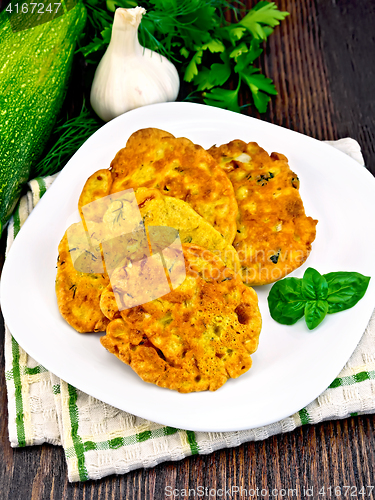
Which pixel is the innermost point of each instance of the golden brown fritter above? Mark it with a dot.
(156, 210)
(78, 293)
(159, 210)
(179, 169)
(121, 245)
(97, 186)
(145, 138)
(274, 235)
(194, 338)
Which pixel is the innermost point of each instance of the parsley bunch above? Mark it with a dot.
(210, 52)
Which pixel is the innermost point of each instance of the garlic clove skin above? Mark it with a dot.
(130, 76)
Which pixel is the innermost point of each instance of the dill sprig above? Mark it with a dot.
(214, 55)
(70, 134)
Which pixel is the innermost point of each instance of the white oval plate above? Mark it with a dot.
(292, 365)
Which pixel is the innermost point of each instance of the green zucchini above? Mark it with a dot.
(34, 69)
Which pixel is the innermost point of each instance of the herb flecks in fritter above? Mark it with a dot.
(274, 235)
(194, 338)
(153, 158)
(78, 293)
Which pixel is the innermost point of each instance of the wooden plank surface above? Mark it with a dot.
(322, 61)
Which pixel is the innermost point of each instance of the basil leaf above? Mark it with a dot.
(315, 312)
(314, 285)
(345, 290)
(285, 301)
(289, 289)
(315, 296)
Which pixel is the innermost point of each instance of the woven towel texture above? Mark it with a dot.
(100, 440)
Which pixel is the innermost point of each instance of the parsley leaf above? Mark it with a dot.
(214, 46)
(192, 68)
(258, 81)
(236, 33)
(223, 98)
(202, 79)
(261, 100)
(196, 36)
(220, 73)
(258, 85)
(263, 14)
(244, 59)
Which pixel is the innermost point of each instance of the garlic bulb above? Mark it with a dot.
(129, 75)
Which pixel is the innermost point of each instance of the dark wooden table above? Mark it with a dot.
(322, 61)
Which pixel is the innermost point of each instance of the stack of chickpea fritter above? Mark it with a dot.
(238, 220)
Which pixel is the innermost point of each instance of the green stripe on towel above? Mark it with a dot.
(34, 371)
(304, 416)
(16, 221)
(42, 186)
(352, 379)
(194, 448)
(77, 441)
(18, 394)
(56, 389)
(129, 440)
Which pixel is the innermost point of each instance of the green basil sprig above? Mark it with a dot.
(314, 296)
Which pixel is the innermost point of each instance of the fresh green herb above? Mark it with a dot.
(345, 290)
(314, 285)
(191, 33)
(314, 296)
(315, 312)
(275, 258)
(119, 217)
(210, 52)
(67, 137)
(74, 288)
(286, 302)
